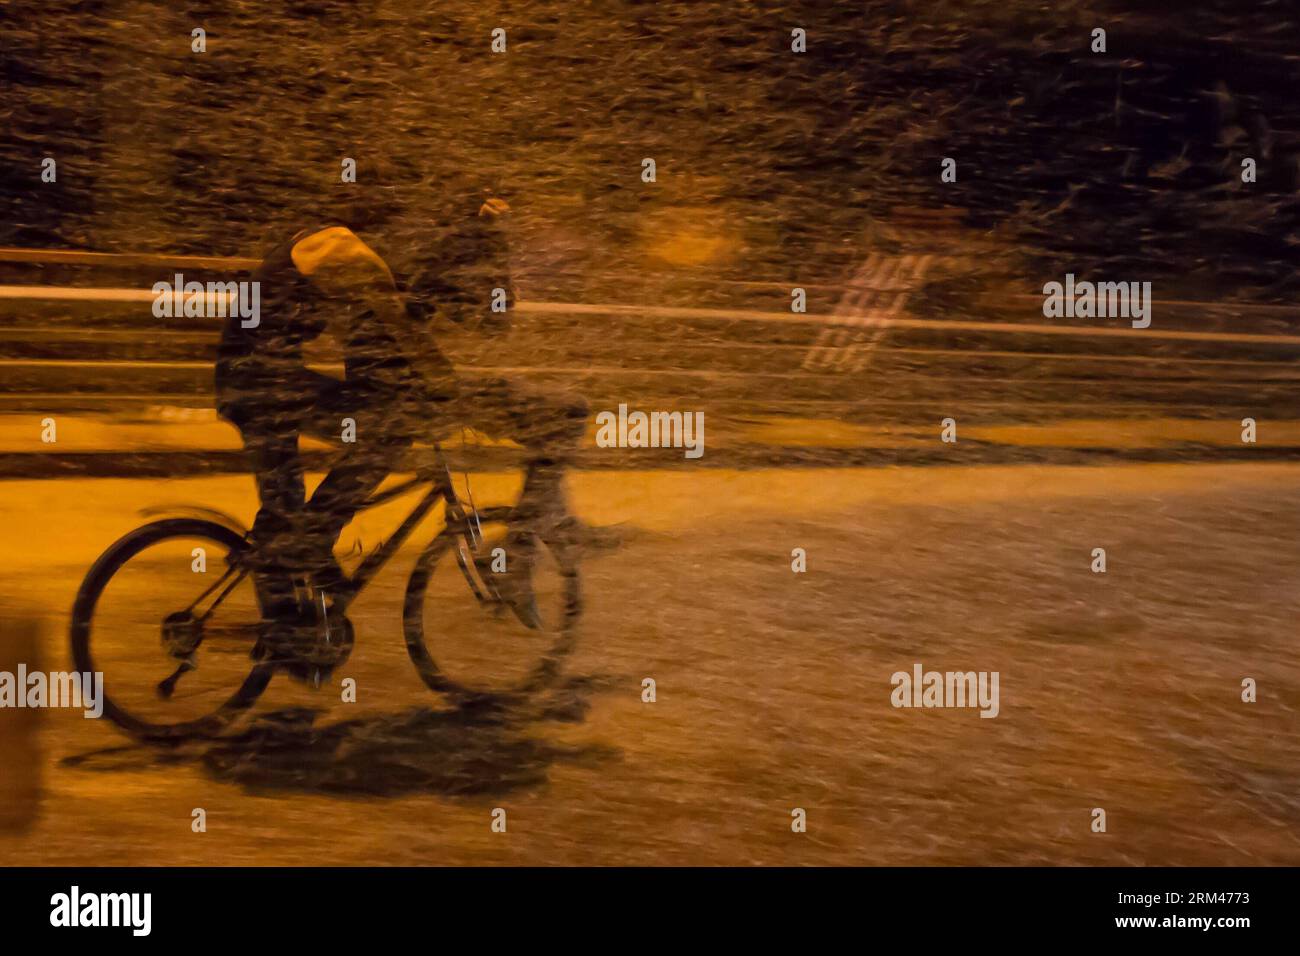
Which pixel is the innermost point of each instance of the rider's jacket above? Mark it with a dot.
(292, 311)
(256, 362)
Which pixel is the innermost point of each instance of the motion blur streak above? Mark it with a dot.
(885, 399)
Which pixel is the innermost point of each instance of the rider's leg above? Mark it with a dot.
(380, 434)
(270, 415)
(281, 492)
(550, 426)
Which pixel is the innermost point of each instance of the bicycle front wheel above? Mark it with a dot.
(468, 646)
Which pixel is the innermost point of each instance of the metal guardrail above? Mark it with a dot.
(77, 257)
(58, 352)
(109, 260)
(1210, 357)
(884, 320)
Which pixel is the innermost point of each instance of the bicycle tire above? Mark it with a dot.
(83, 610)
(542, 674)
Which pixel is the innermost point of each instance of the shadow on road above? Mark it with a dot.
(481, 749)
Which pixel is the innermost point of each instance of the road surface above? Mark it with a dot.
(1119, 691)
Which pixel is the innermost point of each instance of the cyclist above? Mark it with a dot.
(398, 386)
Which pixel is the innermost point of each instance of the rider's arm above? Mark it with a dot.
(342, 266)
(463, 288)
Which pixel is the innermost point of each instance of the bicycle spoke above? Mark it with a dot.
(212, 587)
(224, 594)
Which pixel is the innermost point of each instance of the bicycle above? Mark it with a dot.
(191, 627)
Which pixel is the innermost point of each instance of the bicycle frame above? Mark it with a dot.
(441, 488)
(184, 630)
(438, 477)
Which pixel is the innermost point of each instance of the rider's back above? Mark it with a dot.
(292, 311)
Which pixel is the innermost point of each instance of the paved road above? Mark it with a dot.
(1119, 691)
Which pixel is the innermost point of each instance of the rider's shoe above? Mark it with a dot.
(280, 587)
(514, 585)
(284, 637)
(300, 640)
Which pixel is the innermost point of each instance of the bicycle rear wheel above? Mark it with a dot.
(468, 646)
(146, 603)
